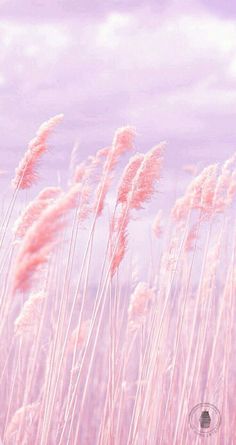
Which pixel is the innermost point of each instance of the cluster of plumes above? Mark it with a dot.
(143, 185)
(199, 194)
(87, 170)
(34, 210)
(122, 142)
(136, 187)
(41, 237)
(211, 192)
(27, 415)
(128, 177)
(26, 172)
(46, 216)
(140, 301)
(28, 320)
(90, 171)
(226, 186)
(79, 336)
(86, 173)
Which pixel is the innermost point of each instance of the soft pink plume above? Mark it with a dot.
(122, 142)
(26, 173)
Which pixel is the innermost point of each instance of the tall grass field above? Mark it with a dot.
(114, 329)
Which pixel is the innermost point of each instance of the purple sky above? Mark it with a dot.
(167, 67)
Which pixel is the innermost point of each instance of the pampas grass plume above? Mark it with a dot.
(26, 173)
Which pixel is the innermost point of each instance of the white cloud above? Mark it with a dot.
(31, 40)
(170, 73)
(176, 43)
(110, 31)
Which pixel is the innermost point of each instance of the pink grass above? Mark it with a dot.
(92, 351)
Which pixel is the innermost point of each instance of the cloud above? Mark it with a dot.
(173, 75)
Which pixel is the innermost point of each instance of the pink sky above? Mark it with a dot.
(170, 70)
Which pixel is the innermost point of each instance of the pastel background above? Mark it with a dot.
(107, 326)
(167, 67)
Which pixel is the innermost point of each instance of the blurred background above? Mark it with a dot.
(167, 67)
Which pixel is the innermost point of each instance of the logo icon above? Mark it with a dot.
(205, 419)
